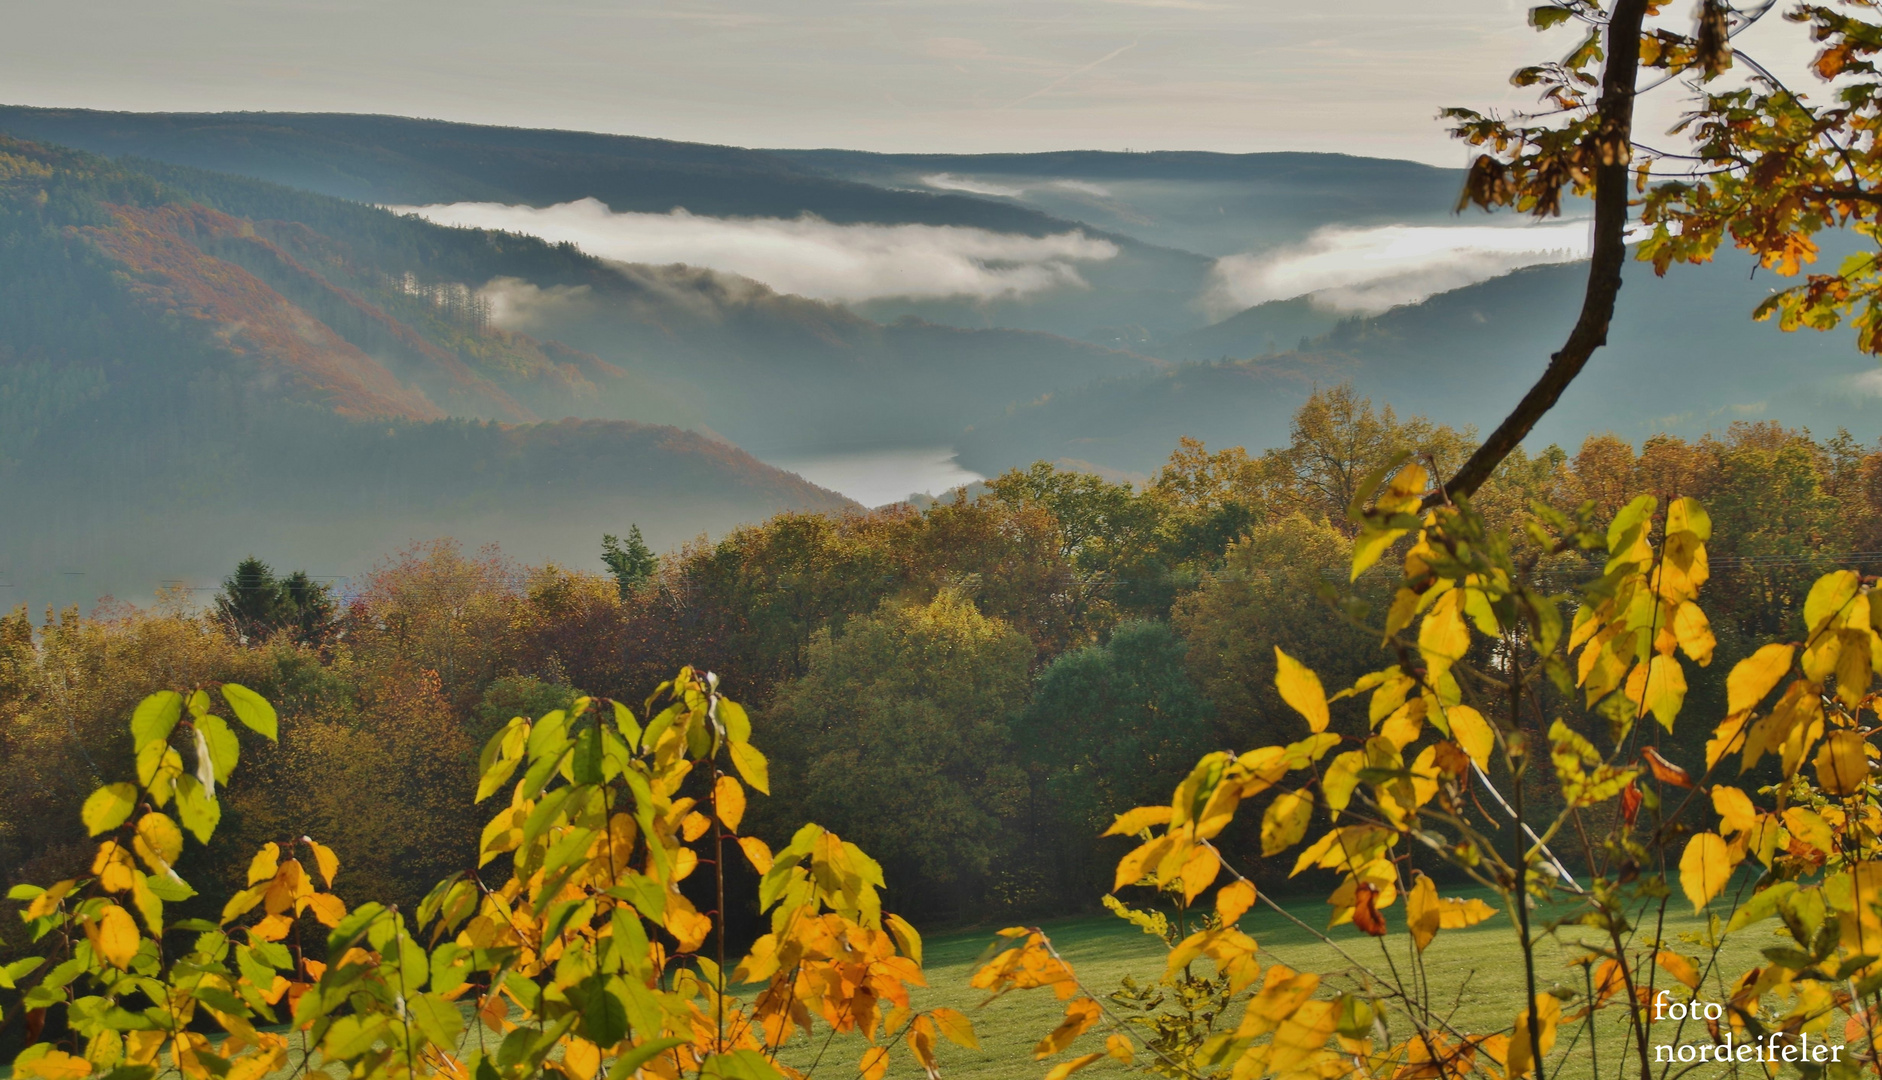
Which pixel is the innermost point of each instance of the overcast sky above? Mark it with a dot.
(1362, 76)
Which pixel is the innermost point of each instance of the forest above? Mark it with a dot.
(969, 691)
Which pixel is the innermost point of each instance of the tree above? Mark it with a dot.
(255, 605)
(250, 601)
(1768, 168)
(897, 734)
(632, 563)
(1269, 593)
(1109, 727)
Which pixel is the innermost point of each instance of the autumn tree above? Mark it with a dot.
(898, 734)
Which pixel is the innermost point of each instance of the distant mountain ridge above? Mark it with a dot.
(178, 385)
(1683, 357)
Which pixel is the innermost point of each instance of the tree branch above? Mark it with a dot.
(1613, 135)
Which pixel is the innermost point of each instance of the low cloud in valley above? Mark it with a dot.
(806, 255)
(1372, 269)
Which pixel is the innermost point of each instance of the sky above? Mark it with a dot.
(1360, 76)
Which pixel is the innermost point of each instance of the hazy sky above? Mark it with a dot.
(962, 75)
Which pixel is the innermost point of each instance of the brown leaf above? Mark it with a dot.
(1365, 910)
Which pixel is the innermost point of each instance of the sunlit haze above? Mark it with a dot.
(1359, 76)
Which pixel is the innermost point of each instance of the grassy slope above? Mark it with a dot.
(1478, 966)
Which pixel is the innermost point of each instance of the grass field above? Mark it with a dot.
(1478, 969)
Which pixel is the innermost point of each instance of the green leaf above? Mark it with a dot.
(352, 927)
(732, 717)
(108, 807)
(11, 974)
(603, 1017)
(1548, 15)
(199, 810)
(625, 722)
(738, 1065)
(438, 1019)
(169, 888)
(644, 893)
(626, 1065)
(586, 763)
(224, 749)
(253, 711)
(155, 718)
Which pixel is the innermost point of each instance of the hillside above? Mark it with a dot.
(1464, 357)
(1213, 204)
(180, 386)
(403, 161)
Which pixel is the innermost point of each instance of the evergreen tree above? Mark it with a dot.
(631, 563)
(250, 602)
(255, 605)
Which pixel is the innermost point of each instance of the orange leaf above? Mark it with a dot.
(1665, 771)
(1365, 910)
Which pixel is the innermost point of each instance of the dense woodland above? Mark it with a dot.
(969, 691)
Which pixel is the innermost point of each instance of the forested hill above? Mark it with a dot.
(1684, 357)
(180, 385)
(396, 160)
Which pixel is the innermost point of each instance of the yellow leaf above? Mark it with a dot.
(113, 866)
(1843, 763)
(1066, 1068)
(581, 1059)
(325, 861)
(1132, 822)
(694, 825)
(1736, 814)
(162, 837)
(1199, 871)
(1444, 636)
(1283, 990)
(1233, 900)
(1547, 1012)
(1455, 914)
(1120, 1048)
(108, 807)
(1285, 821)
(54, 1065)
(1665, 689)
(1753, 677)
(1809, 827)
(1828, 596)
(728, 801)
(328, 908)
(262, 867)
(1302, 1036)
(1686, 515)
(1301, 689)
(1704, 868)
(1852, 664)
(753, 767)
(906, 937)
(1421, 911)
(756, 853)
(1472, 732)
(1340, 778)
(1694, 632)
(116, 936)
(874, 1064)
(1677, 966)
(956, 1027)
(1080, 1015)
